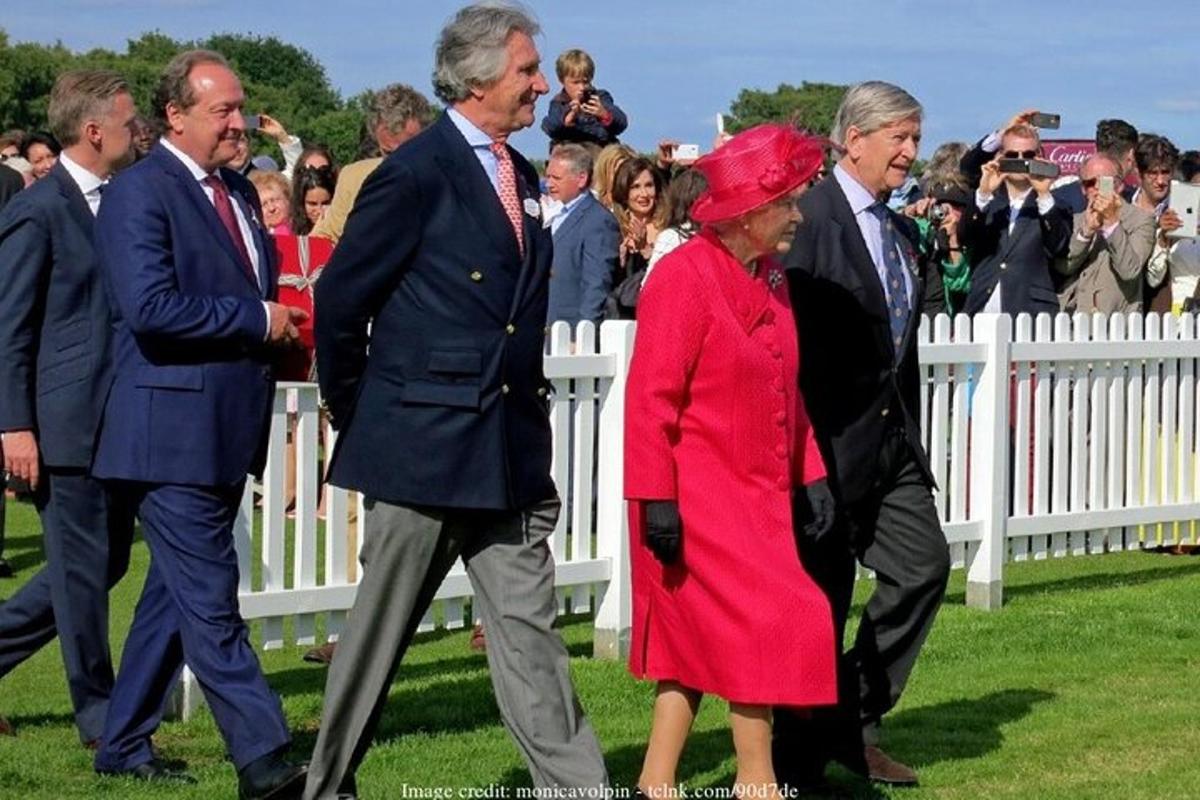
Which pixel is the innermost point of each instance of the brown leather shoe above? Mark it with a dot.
(322, 654)
(882, 768)
(478, 642)
(6, 728)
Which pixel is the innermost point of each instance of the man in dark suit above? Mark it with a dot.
(11, 182)
(55, 370)
(855, 286)
(1019, 231)
(586, 240)
(189, 271)
(429, 347)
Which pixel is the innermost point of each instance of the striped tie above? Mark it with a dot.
(897, 290)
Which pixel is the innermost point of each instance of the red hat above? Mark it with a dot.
(752, 169)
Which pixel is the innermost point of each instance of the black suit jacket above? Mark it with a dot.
(55, 326)
(1024, 258)
(449, 406)
(855, 388)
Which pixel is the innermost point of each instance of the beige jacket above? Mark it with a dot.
(1106, 271)
(349, 183)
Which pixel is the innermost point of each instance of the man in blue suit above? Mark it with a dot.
(55, 370)
(586, 240)
(443, 421)
(189, 271)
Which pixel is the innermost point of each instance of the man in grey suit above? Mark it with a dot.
(55, 371)
(586, 240)
(429, 349)
(1111, 244)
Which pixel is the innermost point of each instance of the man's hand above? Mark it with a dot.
(21, 459)
(1091, 221)
(284, 320)
(269, 126)
(1108, 207)
(992, 177)
(918, 209)
(1020, 118)
(1169, 221)
(1041, 185)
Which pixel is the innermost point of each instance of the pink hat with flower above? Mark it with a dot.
(753, 168)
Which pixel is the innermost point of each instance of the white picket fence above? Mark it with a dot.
(1063, 437)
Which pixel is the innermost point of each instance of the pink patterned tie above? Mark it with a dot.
(508, 192)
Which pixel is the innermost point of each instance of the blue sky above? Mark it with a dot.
(673, 64)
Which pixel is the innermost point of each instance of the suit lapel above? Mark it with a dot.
(204, 207)
(536, 238)
(576, 216)
(261, 242)
(76, 202)
(855, 248)
(476, 192)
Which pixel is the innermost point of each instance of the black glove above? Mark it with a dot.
(664, 531)
(818, 522)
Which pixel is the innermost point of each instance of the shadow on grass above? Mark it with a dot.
(1106, 580)
(39, 720)
(958, 729)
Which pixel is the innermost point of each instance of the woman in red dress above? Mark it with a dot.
(716, 442)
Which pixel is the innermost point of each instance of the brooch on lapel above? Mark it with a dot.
(532, 207)
(775, 278)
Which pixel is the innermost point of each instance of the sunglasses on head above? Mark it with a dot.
(1020, 153)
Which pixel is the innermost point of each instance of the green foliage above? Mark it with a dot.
(279, 79)
(809, 105)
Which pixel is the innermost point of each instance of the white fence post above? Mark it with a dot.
(989, 462)
(614, 612)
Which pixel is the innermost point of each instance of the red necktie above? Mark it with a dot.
(508, 192)
(224, 208)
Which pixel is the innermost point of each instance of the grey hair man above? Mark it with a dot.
(395, 114)
(1111, 244)
(429, 347)
(855, 286)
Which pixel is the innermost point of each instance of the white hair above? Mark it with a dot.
(472, 49)
(872, 105)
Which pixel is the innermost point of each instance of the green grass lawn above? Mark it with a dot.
(1084, 686)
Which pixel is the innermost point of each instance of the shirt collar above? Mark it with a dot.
(197, 171)
(569, 207)
(856, 194)
(474, 136)
(86, 180)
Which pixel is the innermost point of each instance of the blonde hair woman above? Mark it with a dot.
(605, 168)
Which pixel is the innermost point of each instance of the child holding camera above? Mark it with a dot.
(581, 113)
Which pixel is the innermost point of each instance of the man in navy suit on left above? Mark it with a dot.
(54, 373)
(189, 272)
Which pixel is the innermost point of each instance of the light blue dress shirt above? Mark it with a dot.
(861, 201)
(562, 215)
(481, 144)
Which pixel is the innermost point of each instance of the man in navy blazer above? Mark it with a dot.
(586, 240)
(429, 348)
(55, 331)
(189, 271)
(1018, 233)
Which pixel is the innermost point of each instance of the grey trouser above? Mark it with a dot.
(406, 553)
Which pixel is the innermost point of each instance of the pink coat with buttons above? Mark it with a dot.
(715, 421)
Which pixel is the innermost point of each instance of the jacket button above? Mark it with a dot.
(1003, 265)
(541, 392)
(476, 275)
(783, 484)
(769, 316)
(504, 388)
(781, 418)
(510, 329)
(884, 413)
(781, 451)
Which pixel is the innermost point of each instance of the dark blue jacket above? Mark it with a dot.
(54, 320)
(1024, 258)
(449, 405)
(192, 391)
(586, 128)
(586, 252)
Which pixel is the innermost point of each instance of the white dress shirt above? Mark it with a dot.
(243, 224)
(88, 182)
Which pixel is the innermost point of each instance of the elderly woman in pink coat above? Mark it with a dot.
(717, 441)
